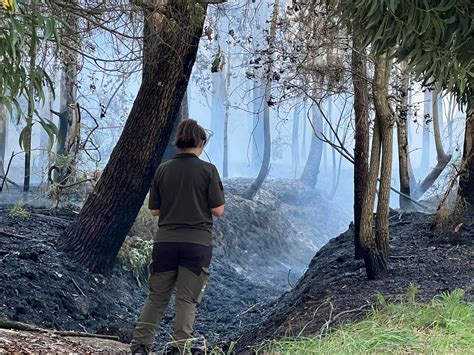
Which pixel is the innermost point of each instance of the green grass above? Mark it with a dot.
(446, 325)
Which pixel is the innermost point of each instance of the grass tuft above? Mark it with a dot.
(446, 325)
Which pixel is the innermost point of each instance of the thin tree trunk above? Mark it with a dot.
(295, 153)
(402, 140)
(3, 137)
(226, 120)
(265, 167)
(27, 131)
(427, 118)
(382, 110)
(465, 198)
(303, 126)
(442, 158)
(216, 143)
(361, 149)
(69, 125)
(95, 238)
(374, 258)
(312, 167)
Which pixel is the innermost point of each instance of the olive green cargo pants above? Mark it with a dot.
(189, 291)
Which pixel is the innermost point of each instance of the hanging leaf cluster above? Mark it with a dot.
(22, 31)
(435, 37)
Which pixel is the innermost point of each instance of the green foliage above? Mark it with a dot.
(18, 211)
(22, 32)
(444, 326)
(434, 37)
(135, 255)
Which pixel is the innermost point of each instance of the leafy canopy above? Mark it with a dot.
(435, 37)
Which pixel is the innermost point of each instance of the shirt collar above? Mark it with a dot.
(184, 155)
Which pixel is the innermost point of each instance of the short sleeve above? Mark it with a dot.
(216, 190)
(154, 201)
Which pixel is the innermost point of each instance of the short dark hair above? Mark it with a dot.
(189, 134)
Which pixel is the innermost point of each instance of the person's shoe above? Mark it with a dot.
(140, 351)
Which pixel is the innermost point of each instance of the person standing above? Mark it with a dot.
(185, 193)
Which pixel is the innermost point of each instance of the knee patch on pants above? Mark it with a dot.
(201, 285)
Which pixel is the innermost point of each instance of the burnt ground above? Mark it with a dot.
(335, 289)
(260, 250)
(262, 247)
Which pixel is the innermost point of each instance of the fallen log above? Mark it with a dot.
(10, 324)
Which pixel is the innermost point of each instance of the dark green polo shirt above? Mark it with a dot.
(184, 189)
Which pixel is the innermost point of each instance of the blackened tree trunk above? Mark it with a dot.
(95, 238)
(465, 199)
(361, 149)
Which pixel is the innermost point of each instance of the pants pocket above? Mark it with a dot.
(201, 287)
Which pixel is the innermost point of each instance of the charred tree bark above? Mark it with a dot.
(95, 238)
(402, 140)
(361, 149)
(373, 251)
(465, 198)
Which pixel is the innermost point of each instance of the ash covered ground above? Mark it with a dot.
(262, 247)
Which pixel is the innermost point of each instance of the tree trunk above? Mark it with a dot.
(382, 110)
(465, 199)
(442, 158)
(258, 118)
(336, 166)
(3, 137)
(375, 260)
(427, 118)
(183, 113)
(361, 149)
(402, 140)
(27, 130)
(265, 167)
(303, 128)
(295, 153)
(95, 238)
(226, 120)
(311, 169)
(216, 143)
(69, 116)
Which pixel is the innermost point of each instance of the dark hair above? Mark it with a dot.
(189, 134)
